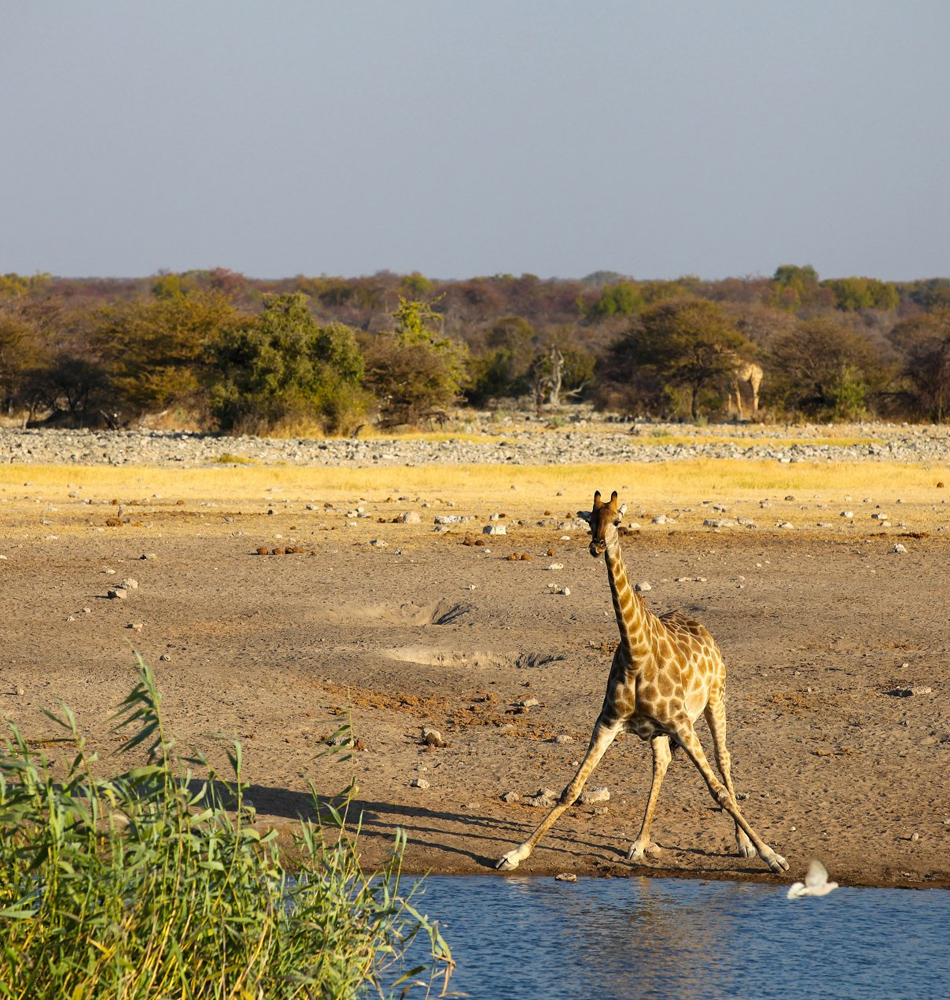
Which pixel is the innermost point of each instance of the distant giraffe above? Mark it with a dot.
(665, 674)
(750, 374)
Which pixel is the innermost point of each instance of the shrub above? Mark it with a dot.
(145, 885)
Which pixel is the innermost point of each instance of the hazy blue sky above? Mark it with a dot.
(479, 137)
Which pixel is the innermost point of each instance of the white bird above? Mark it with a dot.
(816, 882)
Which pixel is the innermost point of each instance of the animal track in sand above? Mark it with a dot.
(430, 656)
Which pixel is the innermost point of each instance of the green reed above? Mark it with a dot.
(156, 883)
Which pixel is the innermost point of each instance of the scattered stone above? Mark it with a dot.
(848, 514)
(411, 517)
(379, 543)
(642, 587)
(510, 797)
(135, 626)
(117, 594)
(900, 548)
(556, 566)
(419, 783)
(528, 703)
(718, 522)
(563, 738)
(165, 657)
(432, 737)
(544, 799)
(565, 877)
(494, 529)
(661, 519)
(129, 584)
(908, 692)
(148, 555)
(878, 517)
(594, 796)
(785, 524)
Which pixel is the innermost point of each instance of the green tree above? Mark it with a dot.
(621, 298)
(794, 286)
(924, 345)
(155, 351)
(825, 370)
(688, 344)
(502, 363)
(283, 369)
(855, 294)
(415, 369)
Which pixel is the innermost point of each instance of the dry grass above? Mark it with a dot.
(520, 491)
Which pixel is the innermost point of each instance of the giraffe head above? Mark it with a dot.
(604, 520)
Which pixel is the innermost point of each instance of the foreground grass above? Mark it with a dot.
(152, 884)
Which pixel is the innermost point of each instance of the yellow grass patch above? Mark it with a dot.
(518, 487)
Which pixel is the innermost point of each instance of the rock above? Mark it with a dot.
(411, 517)
(510, 797)
(594, 796)
(847, 513)
(563, 738)
(165, 657)
(117, 594)
(718, 522)
(556, 566)
(432, 737)
(379, 543)
(544, 799)
(528, 703)
(642, 587)
(494, 529)
(129, 584)
(148, 555)
(899, 548)
(565, 877)
(419, 783)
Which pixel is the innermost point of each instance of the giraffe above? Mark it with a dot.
(665, 673)
(748, 373)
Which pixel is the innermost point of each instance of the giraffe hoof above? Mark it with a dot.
(508, 863)
(638, 852)
(747, 851)
(777, 863)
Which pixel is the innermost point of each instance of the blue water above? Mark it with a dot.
(677, 939)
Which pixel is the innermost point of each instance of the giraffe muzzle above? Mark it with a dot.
(597, 547)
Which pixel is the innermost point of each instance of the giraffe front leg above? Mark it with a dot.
(661, 761)
(602, 737)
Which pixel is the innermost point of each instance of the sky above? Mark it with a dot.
(720, 138)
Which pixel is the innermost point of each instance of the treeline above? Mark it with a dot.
(220, 351)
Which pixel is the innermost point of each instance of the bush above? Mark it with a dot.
(283, 371)
(145, 885)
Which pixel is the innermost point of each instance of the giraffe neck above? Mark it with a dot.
(633, 619)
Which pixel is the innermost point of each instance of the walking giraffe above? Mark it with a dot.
(666, 673)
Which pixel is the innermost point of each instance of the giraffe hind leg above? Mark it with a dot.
(687, 736)
(600, 740)
(716, 720)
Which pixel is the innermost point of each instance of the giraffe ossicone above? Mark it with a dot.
(666, 672)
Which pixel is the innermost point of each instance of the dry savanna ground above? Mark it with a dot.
(836, 644)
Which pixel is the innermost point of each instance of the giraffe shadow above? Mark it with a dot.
(378, 822)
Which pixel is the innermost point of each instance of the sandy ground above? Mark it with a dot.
(837, 649)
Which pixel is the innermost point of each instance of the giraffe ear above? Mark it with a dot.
(623, 509)
(585, 515)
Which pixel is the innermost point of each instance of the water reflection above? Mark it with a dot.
(532, 938)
